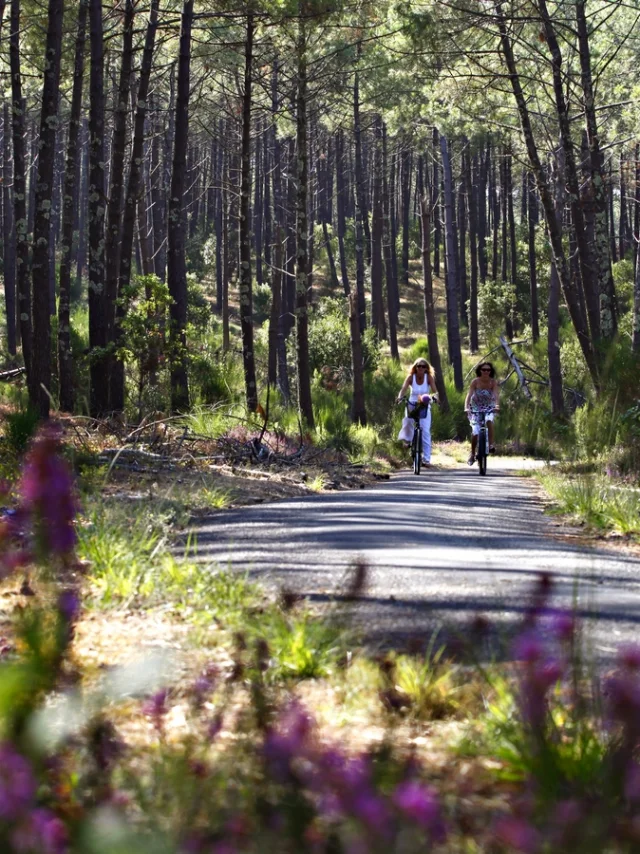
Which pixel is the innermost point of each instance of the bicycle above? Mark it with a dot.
(482, 449)
(416, 415)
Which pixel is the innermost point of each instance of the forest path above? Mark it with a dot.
(441, 548)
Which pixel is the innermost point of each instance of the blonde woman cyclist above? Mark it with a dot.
(421, 381)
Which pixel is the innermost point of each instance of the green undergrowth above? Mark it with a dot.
(593, 499)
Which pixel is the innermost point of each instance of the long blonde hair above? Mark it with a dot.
(422, 361)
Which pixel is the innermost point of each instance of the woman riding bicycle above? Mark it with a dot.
(422, 381)
(483, 396)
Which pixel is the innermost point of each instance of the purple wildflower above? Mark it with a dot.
(156, 708)
(518, 834)
(528, 647)
(50, 831)
(629, 657)
(46, 490)
(17, 783)
(419, 802)
(563, 625)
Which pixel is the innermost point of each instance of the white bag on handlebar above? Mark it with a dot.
(406, 431)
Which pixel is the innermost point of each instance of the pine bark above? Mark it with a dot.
(40, 383)
(429, 310)
(358, 406)
(377, 224)
(23, 277)
(176, 232)
(453, 314)
(601, 256)
(392, 283)
(532, 221)
(65, 362)
(471, 171)
(340, 210)
(8, 233)
(571, 296)
(302, 228)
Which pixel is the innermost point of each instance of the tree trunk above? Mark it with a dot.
(244, 227)
(429, 311)
(358, 406)
(482, 215)
(472, 205)
(8, 233)
(533, 278)
(340, 209)
(405, 196)
(302, 228)
(114, 207)
(453, 315)
(65, 362)
(132, 197)
(176, 262)
(258, 212)
(462, 249)
(435, 203)
(600, 256)
(99, 391)
(571, 296)
(377, 224)
(19, 191)
(361, 215)
(553, 309)
(392, 283)
(587, 273)
(39, 391)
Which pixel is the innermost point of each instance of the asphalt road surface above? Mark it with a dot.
(441, 548)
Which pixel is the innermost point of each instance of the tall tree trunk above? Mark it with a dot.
(553, 309)
(19, 191)
(134, 194)
(533, 278)
(258, 212)
(587, 273)
(176, 262)
(362, 209)
(8, 232)
(571, 296)
(361, 214)
(453, 315)
(244, 278)
(405, 196)
(392, 283)
(358, 406)
(82, 198)
(302, 228)
(429, 311)
(435, 203)
(39, 391)
(65, 362)
(377, 305)
(483, 268)
(113, 232)
(471, 172)
(600, 256)
(99, 389)
(462, 249)
(340, 209)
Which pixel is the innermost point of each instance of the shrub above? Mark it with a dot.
(330, 342)
(21, 426)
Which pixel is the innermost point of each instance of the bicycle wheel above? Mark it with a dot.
(482, 452)
(417, 450)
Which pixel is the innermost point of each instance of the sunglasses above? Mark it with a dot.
(485, 370)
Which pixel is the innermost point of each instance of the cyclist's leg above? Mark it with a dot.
(490, 426)
(425, 423)
(474, 442)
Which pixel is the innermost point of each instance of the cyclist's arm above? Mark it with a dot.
(432, 384)
(405, 386)
(467, 401)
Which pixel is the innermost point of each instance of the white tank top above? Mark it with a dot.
(418, 389)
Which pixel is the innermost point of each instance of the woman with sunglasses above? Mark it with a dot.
(483, 396)
(421, 381)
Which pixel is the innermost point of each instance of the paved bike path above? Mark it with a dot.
(441, 548)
